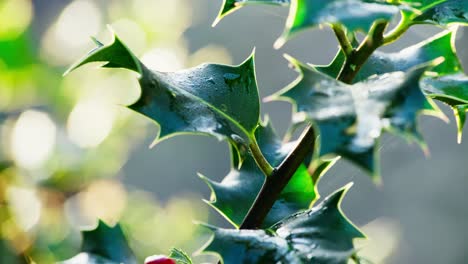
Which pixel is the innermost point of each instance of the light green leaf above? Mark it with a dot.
(350, 118)
(453, 90)
(104, 245)
(355, 15)
(230, 6)
(445, 13)
(211, 99)
(320, 235)
(180, 256)
(234, 196)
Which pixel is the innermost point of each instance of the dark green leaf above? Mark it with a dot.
(355, 15)
(212, 99)
(350, 118)
(180, 256)
(236, 193)
(444, 13)
(450, 84)
(230, 6)
(441, 45)
(106, 245)
(422, 4)
(320, 235)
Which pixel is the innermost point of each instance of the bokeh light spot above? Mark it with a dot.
(90, 122)
(33, 139)
(25, 205)
(15, 17)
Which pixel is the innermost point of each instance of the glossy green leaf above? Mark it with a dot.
(445, 13)
(103, 245)
(355, 15)
(211, 99)
(234, 196)
(453, 90)
(449, 86)
(350, 118)
(230, 6)
(441, 45)
(320, 235)
(180, 256)
(421, 4)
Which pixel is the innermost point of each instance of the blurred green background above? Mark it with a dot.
(71, 153)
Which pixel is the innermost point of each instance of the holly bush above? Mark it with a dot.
(340, 110)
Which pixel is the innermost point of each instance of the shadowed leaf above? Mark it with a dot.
(103, 245)
(236, 193)
(355, 15)
(350, 118)
(320, 235)
(445, 13)
(449, 85)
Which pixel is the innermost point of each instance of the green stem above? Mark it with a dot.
(356, 60)
(345, 44)
(398, 31)
(281, 175)
(275, 183)
(261, 161)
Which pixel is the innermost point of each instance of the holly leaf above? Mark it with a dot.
(449, 84)
(453, 90)
(320, 235)
(355, 15)
(180, 256)
(441, 45)
(229, 6)
(211, 99)
(422, 4)
(445, 13)
(103, 245)
(350, 118)
(235, 194)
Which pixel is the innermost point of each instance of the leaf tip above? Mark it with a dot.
(270, 98)
(97, 42)
(295, 63)
(216, 21)
(425, 149)
(279, 43)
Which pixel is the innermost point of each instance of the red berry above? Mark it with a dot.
(159, 259)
